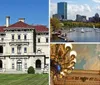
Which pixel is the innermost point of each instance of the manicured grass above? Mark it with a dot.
(24, 79)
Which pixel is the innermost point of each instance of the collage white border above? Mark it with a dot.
(62, 42)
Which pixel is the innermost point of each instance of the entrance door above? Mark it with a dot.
(19, 65)
(38, 64)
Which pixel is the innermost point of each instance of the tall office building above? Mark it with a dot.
(62, 10)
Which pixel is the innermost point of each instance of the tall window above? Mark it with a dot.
(1, 49)
(46, 40)
(12, 50)
(19, 49)
(19, 65)
(19, 37)
(25, 50)
(38, 40)
(13, 66)
(12, 37)
(2, 39)
(1, 64)
(25, 65)
(25, 37)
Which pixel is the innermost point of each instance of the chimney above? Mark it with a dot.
(22, 19)
(7, 21)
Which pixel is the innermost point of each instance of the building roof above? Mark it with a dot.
(21, 25)
(2, 28)
(41, 28)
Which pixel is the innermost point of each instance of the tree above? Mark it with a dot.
(55, 23)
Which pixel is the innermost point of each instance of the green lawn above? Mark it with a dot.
(24, 79)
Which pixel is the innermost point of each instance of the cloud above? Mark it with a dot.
(53, 8)
(98, 8)
(68, 1)
(97, 1)
(73, 10)
(92, 64)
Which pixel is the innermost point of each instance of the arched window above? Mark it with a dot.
(0, 63)
(19, 65)
(38, 64)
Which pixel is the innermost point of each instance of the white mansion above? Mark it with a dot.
(23, 45)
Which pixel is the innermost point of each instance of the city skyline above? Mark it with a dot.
(28, 9)
(87, 8)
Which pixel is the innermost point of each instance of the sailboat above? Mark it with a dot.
(70, 30)
(94, 27)
(82, 30)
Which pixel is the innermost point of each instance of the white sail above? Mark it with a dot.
(70, 30)
(82, 30)
(93, 26)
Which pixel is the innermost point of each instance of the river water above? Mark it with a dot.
(83, 34)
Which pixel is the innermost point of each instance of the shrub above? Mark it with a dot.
(31, 70)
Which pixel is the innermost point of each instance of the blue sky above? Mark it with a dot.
(82, 7)
(34, 11)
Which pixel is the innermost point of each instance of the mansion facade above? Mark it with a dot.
(23, 45)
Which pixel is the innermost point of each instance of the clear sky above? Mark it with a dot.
(34, 11)
(82, 7)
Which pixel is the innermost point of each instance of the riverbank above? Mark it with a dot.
(60, 36)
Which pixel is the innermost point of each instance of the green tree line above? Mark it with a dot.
(56, 24)
(70, 24)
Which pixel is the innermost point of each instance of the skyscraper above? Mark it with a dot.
(62, 10)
